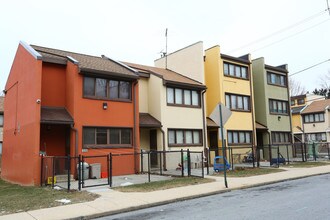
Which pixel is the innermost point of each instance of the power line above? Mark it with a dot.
(310, 67)
(278, 41)
(282, 30)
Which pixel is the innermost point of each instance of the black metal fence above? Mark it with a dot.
(87, 171)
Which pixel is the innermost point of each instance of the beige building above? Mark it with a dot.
(171, 112)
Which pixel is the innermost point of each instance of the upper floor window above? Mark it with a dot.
(322, 137)
(1, 120)
(281, 137)
(238, 102)
(276, 79)
(179, 137)
(301, 101)
(101, 137)
(293, 102)
(278, 106)
(107, 89)
(312, 118)
(239, 137)
(182, 97)
(235, 70)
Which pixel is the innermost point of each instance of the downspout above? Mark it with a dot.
(76, 139)
(204, 124)
(134, 119)
(253, 116)
(164, 149)
(270, 144)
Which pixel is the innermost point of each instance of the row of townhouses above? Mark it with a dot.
(61, 103)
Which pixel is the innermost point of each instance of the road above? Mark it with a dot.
(307, 198)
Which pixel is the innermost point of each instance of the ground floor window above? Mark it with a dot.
(281, 137)
(180, 137)
(319, 137)
(239, 137)
(106, 137)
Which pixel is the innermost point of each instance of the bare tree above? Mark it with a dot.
(296, 88)
(325, 81)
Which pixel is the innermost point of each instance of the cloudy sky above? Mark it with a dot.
(293, 32)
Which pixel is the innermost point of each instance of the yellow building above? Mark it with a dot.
(229, 81)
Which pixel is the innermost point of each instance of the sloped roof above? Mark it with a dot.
(55, 115)
(210, 123)
(87, 63)
(168, 75)
(148, 121)
(2, 99)
(316, 106)
(296, 110)
(260, 126)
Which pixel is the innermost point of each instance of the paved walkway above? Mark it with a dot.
(111, 201)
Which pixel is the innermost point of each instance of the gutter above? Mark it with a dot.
(164, 154)
(134, 127)
(204, 124)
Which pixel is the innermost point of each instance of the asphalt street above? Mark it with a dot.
(306, 198)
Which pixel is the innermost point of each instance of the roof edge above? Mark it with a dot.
(30, 49)
(120, 63)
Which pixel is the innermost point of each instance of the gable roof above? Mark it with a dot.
(2, 99)
(87, 63)
(317, 106)
(148, 121)
(170, 77)
(297, 110)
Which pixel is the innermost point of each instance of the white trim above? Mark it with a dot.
(73, 60)
(122, 64)
(32, 51)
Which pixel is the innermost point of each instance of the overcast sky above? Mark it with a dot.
(134, 30)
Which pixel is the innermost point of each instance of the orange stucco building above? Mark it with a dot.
(60, 103)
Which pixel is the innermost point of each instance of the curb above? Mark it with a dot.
(134, 208)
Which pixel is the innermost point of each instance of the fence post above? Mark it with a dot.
(53, 173)
(328, 151)
(253, 157)
(208, 160)
(305, 149)
(188, 163)
(314, 152)
(79, 172)
(203, 164)
(42, 170)
(231, 157)
(258, 157)
(83, 171)
(270, 154)
(182, 165)
(149, 166)
(278, 156)
(141, 161)
(110, 170)
(69, 171)
(287, 153)
(160, 163)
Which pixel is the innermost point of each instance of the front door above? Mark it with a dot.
(153, 147)
(214, 142)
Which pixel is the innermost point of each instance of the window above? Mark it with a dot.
(238, 102)
(281, 137)
(301, 101)
(182, 97)
(320, 137)
(235, 70)
(107, 89)
(239, 137)
(292, 102)
(100, 137)
(314, 118)
(1, 120)
(276, 79)
(278, 106)
(179, 137)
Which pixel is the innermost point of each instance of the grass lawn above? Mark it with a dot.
(15, 198)
(165, 184)
(246, 172)
(306, 164)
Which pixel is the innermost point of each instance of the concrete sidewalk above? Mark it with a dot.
(111, 202)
